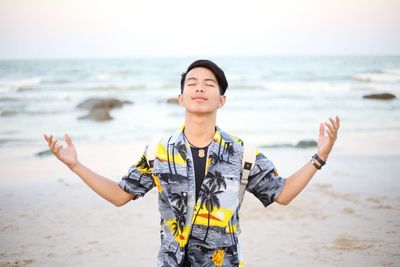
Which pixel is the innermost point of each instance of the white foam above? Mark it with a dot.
(103, 77)
(389, 75)
(8, 85)
(393, 71)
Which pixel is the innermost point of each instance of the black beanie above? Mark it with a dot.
(218, 72)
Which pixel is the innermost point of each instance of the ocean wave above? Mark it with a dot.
(308, 86)
(247, 86)
(9, 85)
(57, 80)
(8, 99)
(160, 85)
(12, 142)
(394, 71)
(388, 75)
(111, 87)
(102, 77)
(8, 140)
(8, 113)
(14, 112)
(124, 72)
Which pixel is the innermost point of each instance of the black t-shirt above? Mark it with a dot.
(199, 167)
(199, 173)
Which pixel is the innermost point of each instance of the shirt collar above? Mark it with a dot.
(178, 136)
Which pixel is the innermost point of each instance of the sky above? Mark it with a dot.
(185, 28)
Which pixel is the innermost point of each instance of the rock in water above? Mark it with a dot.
(172, 100)
(99, 108)
(306, 143)
(44, 153)
(97, 114)
(383, 96)
(104, 103)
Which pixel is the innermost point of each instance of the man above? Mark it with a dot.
(197, 172)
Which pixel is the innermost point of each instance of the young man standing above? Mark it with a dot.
(197, 172)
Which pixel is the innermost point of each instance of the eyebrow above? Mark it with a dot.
(207, 79)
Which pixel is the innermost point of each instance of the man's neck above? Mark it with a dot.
(200, 130)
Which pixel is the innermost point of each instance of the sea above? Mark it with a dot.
(272, 101)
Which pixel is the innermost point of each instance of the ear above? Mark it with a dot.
(180, 100)
(222, 100)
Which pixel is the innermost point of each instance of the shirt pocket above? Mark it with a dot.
(230, 195)
(220, 193)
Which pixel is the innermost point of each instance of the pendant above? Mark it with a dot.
(201, 153)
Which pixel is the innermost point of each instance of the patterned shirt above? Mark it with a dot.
(208, 228)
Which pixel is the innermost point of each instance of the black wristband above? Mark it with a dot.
(320, 161)
(315, 164)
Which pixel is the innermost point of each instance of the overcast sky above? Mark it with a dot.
(145, 28)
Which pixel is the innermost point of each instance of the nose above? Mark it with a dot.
(199, 89)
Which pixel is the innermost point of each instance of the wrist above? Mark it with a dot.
(322, 156)
(73, 167)
(317, 161)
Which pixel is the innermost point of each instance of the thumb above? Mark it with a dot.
(68, 140)
(321, 129)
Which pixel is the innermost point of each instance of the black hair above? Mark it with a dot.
(218, 72)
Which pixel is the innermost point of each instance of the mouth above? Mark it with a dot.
(199, 98)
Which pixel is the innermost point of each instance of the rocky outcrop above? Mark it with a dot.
(306, 144)
(300, 144)
(173, 100)
(97, 114)
(383, 96)
(99, 108)
(103, 103)
(43, 153)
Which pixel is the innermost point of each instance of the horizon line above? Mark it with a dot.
(197, 56)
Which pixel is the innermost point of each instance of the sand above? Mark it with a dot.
(348, 215)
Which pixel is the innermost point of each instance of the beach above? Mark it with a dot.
(347, 216)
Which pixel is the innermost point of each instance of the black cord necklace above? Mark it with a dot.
(201, 149)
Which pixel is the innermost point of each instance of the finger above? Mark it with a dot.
(68, 140)
(57, 148)
(333, 123)
(49, 139)
(321, 129)
(53, 144)
(330, 127)
(330, 134)
(337, 121)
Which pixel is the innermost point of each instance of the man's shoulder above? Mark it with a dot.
(231, 138)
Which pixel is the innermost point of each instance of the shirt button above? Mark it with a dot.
(184, 194)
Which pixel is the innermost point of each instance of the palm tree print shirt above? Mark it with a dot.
(208, 228)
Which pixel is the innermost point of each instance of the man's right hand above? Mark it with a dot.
(106, 188)
(67, 154)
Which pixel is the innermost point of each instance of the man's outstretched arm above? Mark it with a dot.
(295, 183)
(104, 187)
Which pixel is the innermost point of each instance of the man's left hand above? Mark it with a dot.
(327, 137)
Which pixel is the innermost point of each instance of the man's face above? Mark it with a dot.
(201, 92)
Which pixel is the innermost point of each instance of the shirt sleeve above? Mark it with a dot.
(139, 179)
(264, 181)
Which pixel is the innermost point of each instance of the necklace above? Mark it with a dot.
(201, 149)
